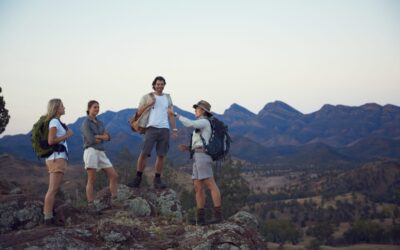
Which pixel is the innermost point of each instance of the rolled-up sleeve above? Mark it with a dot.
(87, 134)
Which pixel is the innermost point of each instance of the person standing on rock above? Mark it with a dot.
(57, 161)
(202, 174)
(153, 110)
(94, 136)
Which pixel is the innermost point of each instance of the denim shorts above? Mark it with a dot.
(158, 136)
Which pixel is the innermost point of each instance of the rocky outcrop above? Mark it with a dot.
(19, 212)
(142, 219)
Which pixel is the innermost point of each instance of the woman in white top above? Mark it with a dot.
(56, 162)
(202, 174)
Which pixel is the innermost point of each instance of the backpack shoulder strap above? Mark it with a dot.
(169, 100)
(211, 127)
(62, 124)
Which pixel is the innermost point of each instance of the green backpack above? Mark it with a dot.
(40, 133)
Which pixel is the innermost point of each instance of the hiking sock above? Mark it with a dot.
(139, 174)
(48, 216)
(157, 175)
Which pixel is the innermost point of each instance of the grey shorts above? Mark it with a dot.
(202, 166)
(158, 136)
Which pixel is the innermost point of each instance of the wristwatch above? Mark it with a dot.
(175, 114)
(175, 129)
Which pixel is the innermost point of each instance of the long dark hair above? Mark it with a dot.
(158, 78)
(90, 104)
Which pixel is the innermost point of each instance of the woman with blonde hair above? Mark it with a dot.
(57, 161)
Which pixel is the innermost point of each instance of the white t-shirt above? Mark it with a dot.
(55, 123)
(159, 113)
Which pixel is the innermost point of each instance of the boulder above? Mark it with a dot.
(149, 219)
(19, 212)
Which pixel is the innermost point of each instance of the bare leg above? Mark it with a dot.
(215, 193)
(55, 180)
(89, 185)
(113, 179)
(141, 163)
(159, 164)
(200, 195)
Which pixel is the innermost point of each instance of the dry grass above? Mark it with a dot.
(261, 184)
(341, 229)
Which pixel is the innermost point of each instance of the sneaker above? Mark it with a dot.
(158, 183)
(135, 183)
(217, 216)
(115, 203)
(91, 209)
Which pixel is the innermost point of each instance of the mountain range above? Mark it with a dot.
(278, 136)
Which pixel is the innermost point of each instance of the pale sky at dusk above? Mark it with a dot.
(304, 53)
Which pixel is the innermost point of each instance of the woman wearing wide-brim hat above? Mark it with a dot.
(202, 174)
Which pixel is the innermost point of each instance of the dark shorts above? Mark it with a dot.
(158, 136)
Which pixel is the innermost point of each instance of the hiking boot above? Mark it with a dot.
(201, 217)
(52, 223)
(135, 183)
(158, 183)
(217, 216)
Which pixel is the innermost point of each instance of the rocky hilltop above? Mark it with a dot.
(144, 219)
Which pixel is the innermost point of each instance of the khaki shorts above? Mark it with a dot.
(57, 165)
(96, 159)
(202, 166)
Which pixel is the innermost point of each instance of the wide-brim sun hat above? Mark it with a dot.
(204, 105)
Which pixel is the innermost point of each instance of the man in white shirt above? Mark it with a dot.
(157, 122)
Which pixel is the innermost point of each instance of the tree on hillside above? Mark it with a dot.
(234, 188)
(4, 116)
(321, 231)
(364, 231)
(280, 231)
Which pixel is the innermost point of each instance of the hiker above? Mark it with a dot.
(202, 173)
(57, 161)
(94, 136)
(153, 112)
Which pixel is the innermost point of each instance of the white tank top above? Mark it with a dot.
(159, 113)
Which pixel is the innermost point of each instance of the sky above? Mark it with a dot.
(306, 53)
